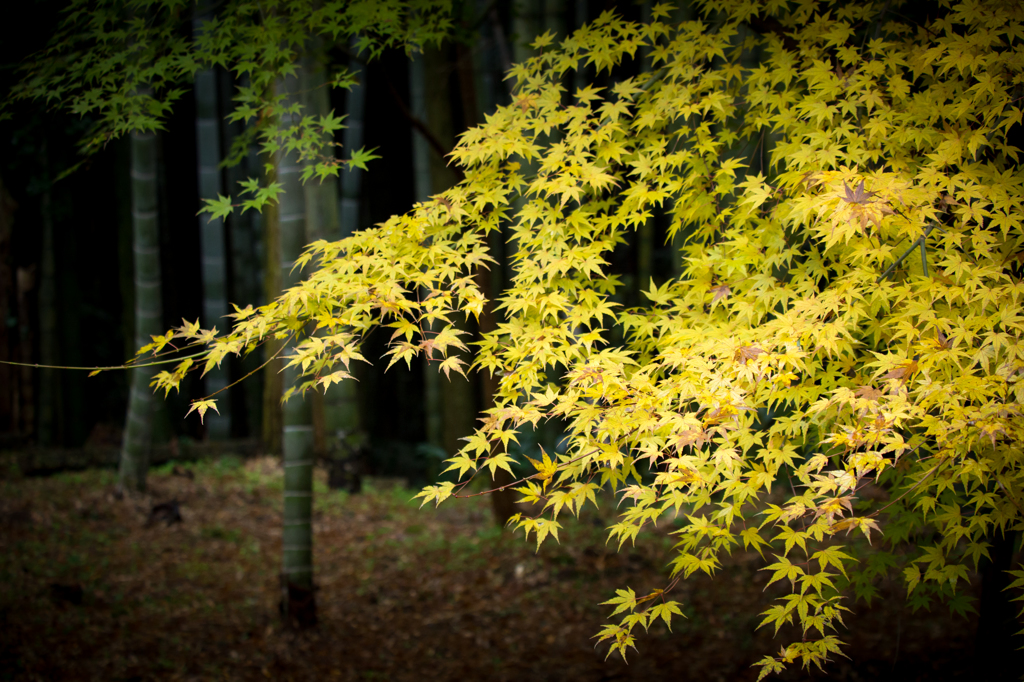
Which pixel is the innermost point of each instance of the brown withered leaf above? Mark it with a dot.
(858, 196)
(1014, 258)
(809, 179)
(694, 437)
(903, 372)
(524, 102)
(868, 393)
(713, 415)
(844, 76)
(721, 291)
(634, 491)
(876, 216)
(429, 346)
(746, 353)
(946, 201)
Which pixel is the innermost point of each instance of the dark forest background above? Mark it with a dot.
(68, 300)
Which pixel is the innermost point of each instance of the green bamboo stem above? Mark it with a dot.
(919, 242)
(342, 401)
(297, 436)
(245, 238)
(527, 19)
(50, 430)
(212, 246)
(146, 281)
(273, 383)
(433, 419)
(8, 344)
(645, 233)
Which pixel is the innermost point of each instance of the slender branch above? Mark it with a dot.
(422, 128)
(104, 369)
(502, 45)
(913, 487)
(528, 478)
(523, 480)
(770, 25)
(1013, 500)
(268, 361)
(917, 242)
(484, 16)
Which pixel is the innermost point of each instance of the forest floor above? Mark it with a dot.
(89, 591)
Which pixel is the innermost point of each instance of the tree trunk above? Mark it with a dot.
(645, 232)
(146, 267)
(996, 648)
(297, 438)
(456, 393)
(580, 18)
(50, 403)
(343, 419)
(352, 179)
(273, 383)
(244, 236)
(473, 101)
(526, 23)
(321, 209)
(337, 422)
(8, 345)
(432, 413)
(212, 251)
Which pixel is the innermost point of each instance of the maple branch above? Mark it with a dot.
(771, 25)
(269, 360)
(104, 369)
(484, 16)
(917, 242)
(1013, 500)
(528, 478)
(913, 487)
(523, 480)
(422, 128)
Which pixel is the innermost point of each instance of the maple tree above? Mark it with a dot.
(125, 63)
(847, 321)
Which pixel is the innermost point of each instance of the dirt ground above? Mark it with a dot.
(90, 591)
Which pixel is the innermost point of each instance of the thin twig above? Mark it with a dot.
(919, 241)
(913, 487)
(104, 369)
(523, 480)
(269, 360)
(422, 128)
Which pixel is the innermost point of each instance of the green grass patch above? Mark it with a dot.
(220, 533)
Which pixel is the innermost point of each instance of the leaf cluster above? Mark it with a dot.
(835, 381)
(124, 63)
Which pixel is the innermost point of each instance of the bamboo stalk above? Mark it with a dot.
(146, 267)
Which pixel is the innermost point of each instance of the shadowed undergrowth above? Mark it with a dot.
(92, 587)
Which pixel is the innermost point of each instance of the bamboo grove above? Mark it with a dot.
(835, 378)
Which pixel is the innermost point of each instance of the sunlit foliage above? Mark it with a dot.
(848, 320)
